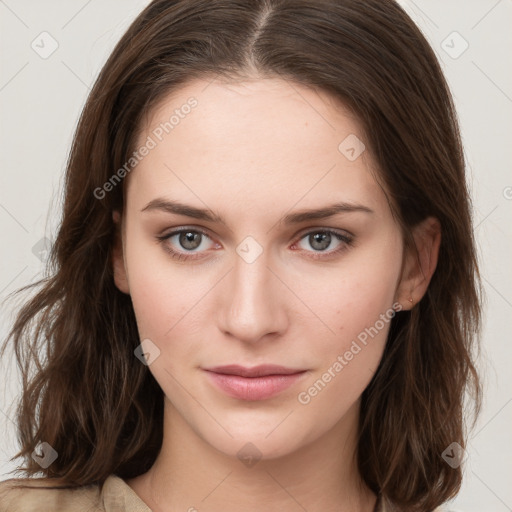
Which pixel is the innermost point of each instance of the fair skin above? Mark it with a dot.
(254, 152)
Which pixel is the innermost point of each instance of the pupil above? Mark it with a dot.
(323, 239)
(189, 240)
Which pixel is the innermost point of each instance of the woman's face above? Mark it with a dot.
(292, 258)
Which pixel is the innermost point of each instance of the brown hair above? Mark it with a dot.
(93, 401)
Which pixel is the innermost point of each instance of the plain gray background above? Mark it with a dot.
(41, 96)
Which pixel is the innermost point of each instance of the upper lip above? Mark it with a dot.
(254, 371)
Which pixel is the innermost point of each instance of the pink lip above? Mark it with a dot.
(257, 383)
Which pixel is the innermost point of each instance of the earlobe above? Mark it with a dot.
(420, 262)
(118, 263)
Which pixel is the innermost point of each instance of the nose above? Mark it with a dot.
(253, 303)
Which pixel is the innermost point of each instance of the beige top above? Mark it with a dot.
(115, 496)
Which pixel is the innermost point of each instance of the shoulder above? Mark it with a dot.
(31, 495)
(39, 495)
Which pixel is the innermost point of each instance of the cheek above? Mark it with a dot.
(348, 361)
(162, 292)
(353, 296)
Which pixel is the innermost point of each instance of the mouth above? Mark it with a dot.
(256, 383)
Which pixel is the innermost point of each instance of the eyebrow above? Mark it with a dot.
(172, 206)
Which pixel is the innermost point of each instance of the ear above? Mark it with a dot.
(118, 262)
(419, 263)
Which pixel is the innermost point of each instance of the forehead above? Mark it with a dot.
(262, 141)
(248, 106)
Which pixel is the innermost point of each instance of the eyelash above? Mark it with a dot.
(347, 240)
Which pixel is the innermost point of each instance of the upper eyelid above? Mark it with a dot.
(338, 231)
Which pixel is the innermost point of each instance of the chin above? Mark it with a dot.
(250, 447)
(257, 438)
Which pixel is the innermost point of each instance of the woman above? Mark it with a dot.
(265, 288)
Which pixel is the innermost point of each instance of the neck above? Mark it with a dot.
(189, 474)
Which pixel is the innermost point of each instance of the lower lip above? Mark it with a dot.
(253, 388)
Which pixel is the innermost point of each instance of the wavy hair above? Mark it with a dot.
(86, 394)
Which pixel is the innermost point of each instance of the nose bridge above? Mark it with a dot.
(251, 280)
(253, 305)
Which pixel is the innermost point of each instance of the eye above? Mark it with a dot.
(321, 239)
(184, 243)
(191, 243)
